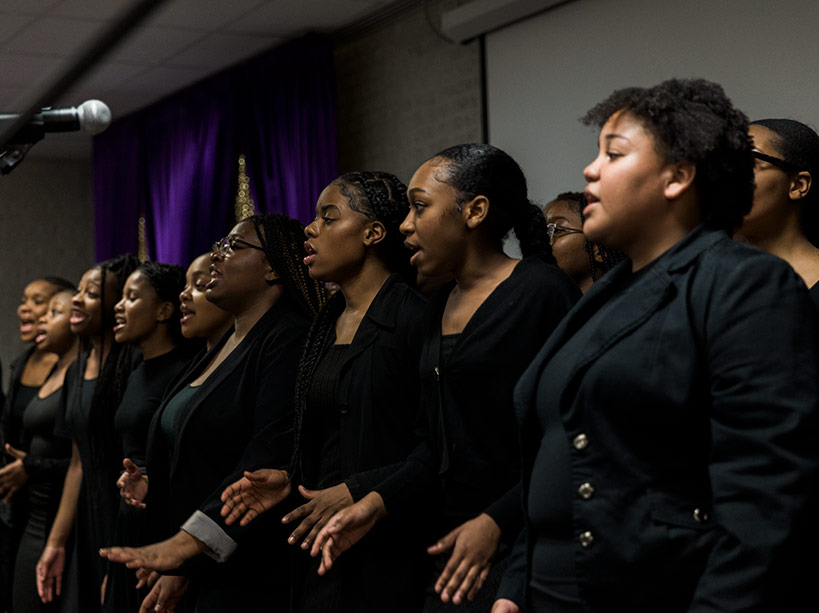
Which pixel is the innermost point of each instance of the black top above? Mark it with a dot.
(11, 425)
(689, 414)
(814, 293)
(473, 446)
(322, 419)
(174, 413)
(143, 393)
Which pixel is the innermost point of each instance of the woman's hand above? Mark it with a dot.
(473, 545)
(322, 505)
(253, 494)
(502, 605)
(132, 484)
(346, 528)
(14, 475)
(165, 555)
(165, 595)
(49, 572)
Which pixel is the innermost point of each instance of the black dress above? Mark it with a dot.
(143, 395)
(46, 463)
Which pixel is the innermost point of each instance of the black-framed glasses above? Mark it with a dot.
(556, 231)
(778, 162)
(226, 246)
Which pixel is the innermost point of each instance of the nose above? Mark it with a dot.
(407, 226)
(43, 318)
(75, 299)
(119, 306)
(310, 229)
(592, 171)
(185, 294)
(216, 256)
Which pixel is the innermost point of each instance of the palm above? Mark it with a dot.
(254, 494)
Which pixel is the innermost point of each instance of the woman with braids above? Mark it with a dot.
(241, 385)
(148, 317)
(576, 255)
(43, 455)
(201, 318)
(784, 218)
(26, 375)
(94, 386)
(672, 416)
(480, 333)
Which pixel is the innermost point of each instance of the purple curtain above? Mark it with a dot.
(176, 162)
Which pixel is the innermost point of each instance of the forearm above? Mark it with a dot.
(63, 522)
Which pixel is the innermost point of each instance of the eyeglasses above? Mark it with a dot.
(778, 162)
(556, 231)
(226, 246)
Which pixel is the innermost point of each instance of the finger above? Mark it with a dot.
(15, 453)
(302, 511)
(130, 467)
(327, 556)
(314, 532)
(309, 494)
(455, 579)
(466, 584)
(143, 574)
(451, 566)
(233, 509)
(58, 584)
(443, 544)
(479, 583)
(257, 476)
(302, 528)
(149, 602)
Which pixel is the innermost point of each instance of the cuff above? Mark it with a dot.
(203, 528)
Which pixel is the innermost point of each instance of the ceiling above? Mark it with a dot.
(182, 42)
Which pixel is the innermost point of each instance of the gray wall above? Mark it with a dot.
(404, 93)
(46, 228)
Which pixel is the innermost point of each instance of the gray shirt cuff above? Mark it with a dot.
(203, 528)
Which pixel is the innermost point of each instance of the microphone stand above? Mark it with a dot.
(11, 152)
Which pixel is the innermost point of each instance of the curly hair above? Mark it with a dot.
(609, 256)
(798, 145)
(479, 169)
(381, 196)
(692, 120)
(167, 280)
(282, 240)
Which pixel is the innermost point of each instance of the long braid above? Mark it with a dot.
(282, 240)
(609, 257)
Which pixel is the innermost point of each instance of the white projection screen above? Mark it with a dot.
(543, 73)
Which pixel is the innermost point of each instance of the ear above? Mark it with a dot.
(374, 233)
(164, 311)
(475, 211)
(680, 179)
(271, 276)
(800, 185)
(596, 251)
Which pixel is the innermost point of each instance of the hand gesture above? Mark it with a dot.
(49, 572)
(473, 545)
(254, 494)
(346, 528)
(165, 595)
(165, 555)
(503, 605)
(13, 476)
(132, 484)
(320, 508)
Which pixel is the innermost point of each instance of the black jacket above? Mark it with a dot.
(692, 426)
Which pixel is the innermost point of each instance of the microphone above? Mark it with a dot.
(92, 116)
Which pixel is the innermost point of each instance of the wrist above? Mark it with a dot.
(375, 503)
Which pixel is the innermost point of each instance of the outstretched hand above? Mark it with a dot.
(165, 595)
(320, 508)
(14, 475)
(132, 484)
(165, 555)
(473, 546)
(253, 494)
(346, 528)
(503, 605)
(49, 572)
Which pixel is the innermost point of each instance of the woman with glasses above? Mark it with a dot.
(241, 385)
(577, 256)
(784, 218)
(480, 333)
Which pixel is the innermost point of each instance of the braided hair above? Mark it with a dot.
(112, 378)
(379, 196)
(167, 280)
(60, 284)
(610, 257)
(798, 145)
(282, 239)
(483, 170)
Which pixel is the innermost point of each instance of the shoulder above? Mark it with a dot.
(397, 293)
(540, 281)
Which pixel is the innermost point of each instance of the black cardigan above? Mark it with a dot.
(473, 447)
(691, 419)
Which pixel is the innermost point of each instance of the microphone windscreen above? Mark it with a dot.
(94, 115)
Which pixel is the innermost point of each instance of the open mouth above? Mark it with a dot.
(414, 250)
(119, 323)
(311, 253)
(41, 336)
(215, 275)
(26, 326)
(77, 317)
(187, 314)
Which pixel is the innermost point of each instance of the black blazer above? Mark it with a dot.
(252, 388)
(473, 447)
(691, 415)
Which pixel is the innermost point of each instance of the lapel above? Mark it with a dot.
(381, 314)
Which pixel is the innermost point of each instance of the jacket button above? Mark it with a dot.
(586, 491)
(344, 408)
(586, 539)
(437, 372)
(581, 441)
(700, 515)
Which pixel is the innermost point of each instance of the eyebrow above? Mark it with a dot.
(327, 207)
(417, 189)
(609, 137)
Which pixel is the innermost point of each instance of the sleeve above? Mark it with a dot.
(507, 513)
(759, 333)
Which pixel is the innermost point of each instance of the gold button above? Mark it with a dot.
(700, 515)
(581, 441)
(586, 491)
(586, 539)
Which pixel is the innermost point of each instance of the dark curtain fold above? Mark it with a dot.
(176, 162)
